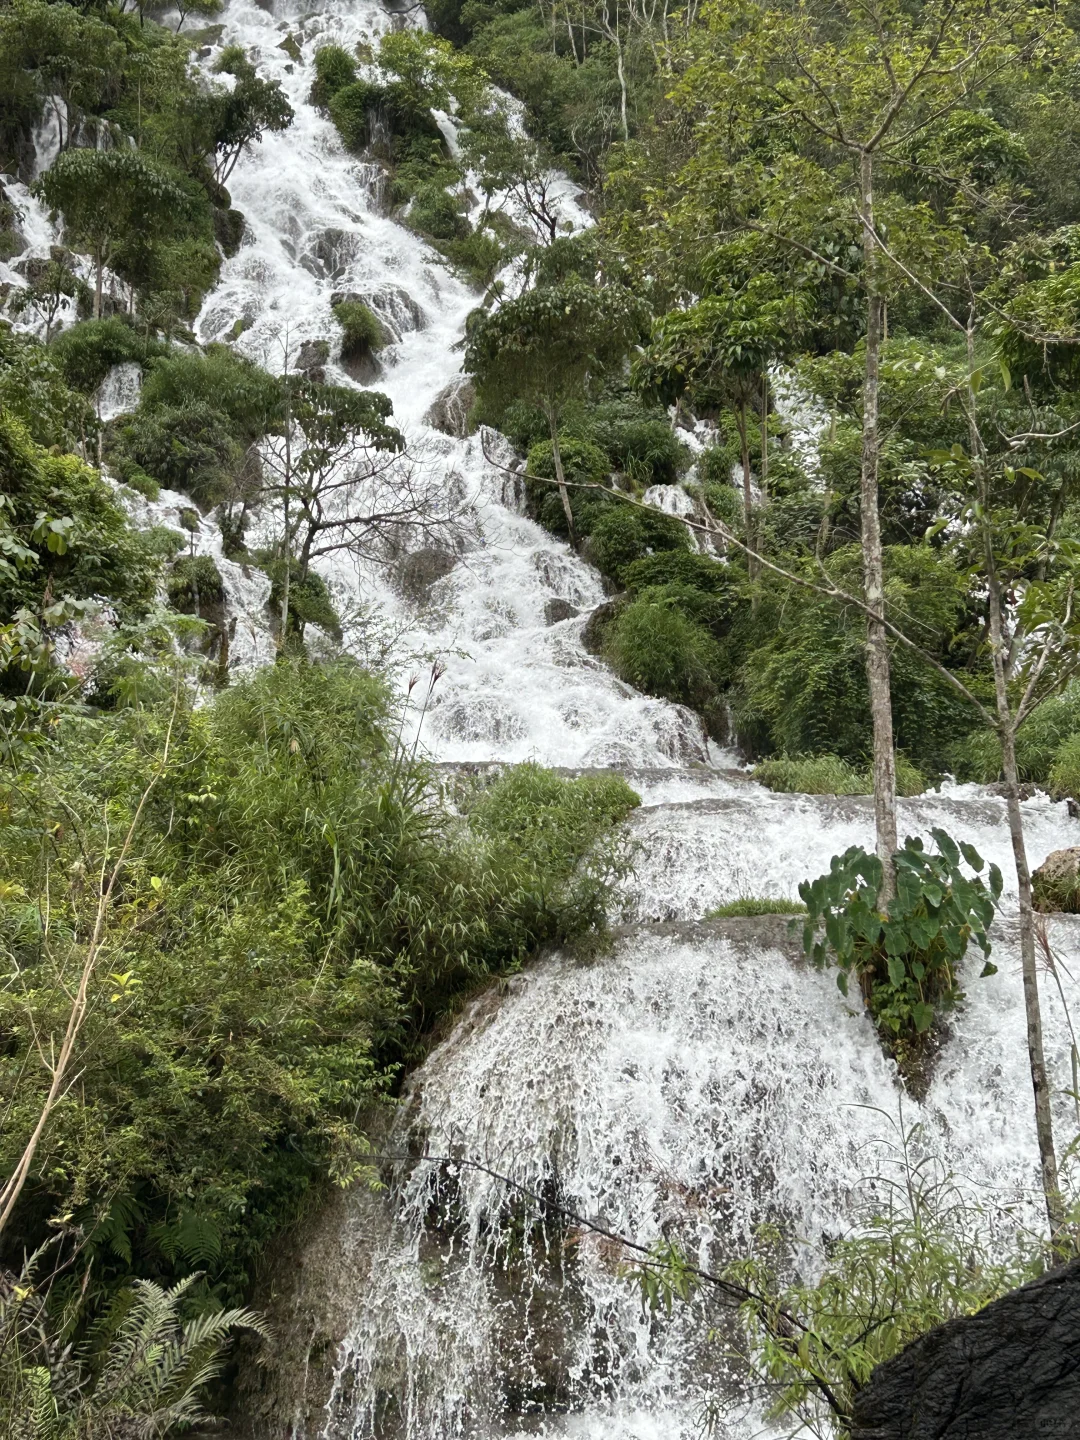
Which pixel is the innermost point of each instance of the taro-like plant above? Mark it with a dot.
(905, 959)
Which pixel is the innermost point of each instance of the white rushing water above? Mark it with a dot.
(694, 1082)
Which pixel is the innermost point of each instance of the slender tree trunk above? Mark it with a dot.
(564, 493)
(1044, 1126)
(286, 543)
(765, 435)
(753, 567)
(877, 650)
(99, 268)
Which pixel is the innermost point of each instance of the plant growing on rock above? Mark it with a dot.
(904, 961)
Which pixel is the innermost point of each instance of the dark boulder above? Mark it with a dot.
(558, 609)
(1011, 1372)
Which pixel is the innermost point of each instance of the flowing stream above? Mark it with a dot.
(692, 1083)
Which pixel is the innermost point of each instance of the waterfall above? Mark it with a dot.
(693, 1082)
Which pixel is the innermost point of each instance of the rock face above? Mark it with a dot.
(450, 410)
(418, 572)
(1055, 885)
(558, 609)
(1011, 1372)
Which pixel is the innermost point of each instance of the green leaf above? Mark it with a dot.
(971, 855)
(923, 1015)
(987, 970)
(897, 971)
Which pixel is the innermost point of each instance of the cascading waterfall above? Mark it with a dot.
(693, 1082)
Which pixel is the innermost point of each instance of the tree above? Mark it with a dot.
(797, 109)
(565, 331)
(47, 291)
(509, 161)
(243, 113)
(107, 196)
(327, 470)
(718, 353)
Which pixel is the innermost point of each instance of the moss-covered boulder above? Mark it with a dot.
(1055, 884)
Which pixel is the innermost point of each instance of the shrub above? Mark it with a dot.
(86, 352)
(622, 535)
(436, 213)
(334, 69)
(829, 775)
(682, 567)
(297, 910)
(194, 581)
(310, 602)
(350, 109)
(581, 459)
(362, 331)
(480, 255)
(219, 378)
(904, 962)
(639, 440)
(189, 447)
(657, 649)
(67, 518)
(749, 905)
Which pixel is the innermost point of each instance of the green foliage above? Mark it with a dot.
(1065, 771)
(310, 602)
(33, 390)
(829, 775)
(87, 352)
(656, 648)
(800, 686)
(749, 905)
(622, 535)
(905, 960)
(582, 461)
(541, 347)
(190, 448)
(194, 581)
(62, 533)
(296, 911)
(362, 332)
(334, 69)
(918, 1253)
(144, 1371)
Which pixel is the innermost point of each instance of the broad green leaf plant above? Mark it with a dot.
(905, 960)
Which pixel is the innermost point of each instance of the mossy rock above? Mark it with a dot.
(1055, 885)
(229, 230)
(194, 586)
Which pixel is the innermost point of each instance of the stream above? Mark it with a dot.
(694, 1082)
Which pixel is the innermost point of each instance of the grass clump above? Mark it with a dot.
(755, 905)
(656, 648)
(362, 331)
(830, 775)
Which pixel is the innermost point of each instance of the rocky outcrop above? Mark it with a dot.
(417, 573)
(1011, 1372)
(450, 409)
(596, 627)
(557, 610)
(1055, 886)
